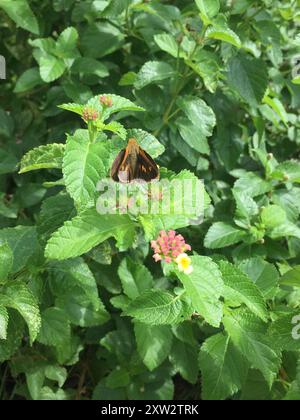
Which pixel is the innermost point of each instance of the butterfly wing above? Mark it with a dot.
(116, 165)
(146, 168)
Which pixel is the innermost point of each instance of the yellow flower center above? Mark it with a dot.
(185, 262)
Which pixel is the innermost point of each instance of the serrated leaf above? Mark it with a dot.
(284, 331)
(135, 278)
(167, 43)
(3, 322)
(55, 328)
(153, 71)
(223, 368)
(208, 8)
(28, 80)
(240, 289)
(263, 274)
(204, 286)
(184, 359)
(158, 307)
(51, 68)
(153, 343)
(252, 185)
(87, 65)
(54, 212)
(222, 234)
(83, 167)
(19, 297)
(118, 104)
(199, 113)
(86, 231)
(288, 171)
(23, 242)
(6, 261)
(249, 335)
(292, 277)
(224, 34)
(249, 77)
(20, 12)
(14, 336)
(49, 156)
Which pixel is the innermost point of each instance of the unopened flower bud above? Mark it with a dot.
(89, 114)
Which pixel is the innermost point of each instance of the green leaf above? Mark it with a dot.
(49, 156)
(240, 289)
(209, 8)
(55, 329)
(83, 167)
(100, 39)
(86, 231)
(81, 309)
(14, 336)
(51, 68)
(66, 43)
(284, 331)
(28, 80)
(19, 297)
(223, 368)
(3, 323)
(8, 162)
(56, 373)
(135, 278)
(252, 185)
(249, 77)
(249, 335)
(54, 212)
(6, 261)
(273, 216)
(184, 359)
(167, 43)
(115, 9)
(291, 278)
(118, 378)
(263, 274)
(192, 136)
(87, 65)
(118, 104)
(204, 287)
(158, 307)
(153, 71)
(153, 343)
(23, 242)
(287, 171)
(222, 234)
(200, 115)
(224, 34)
(20, 12)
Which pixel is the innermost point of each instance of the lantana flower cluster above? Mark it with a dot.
(106, 101)
(90, 114)
(170, 247)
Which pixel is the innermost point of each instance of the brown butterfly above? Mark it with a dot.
(134, 163)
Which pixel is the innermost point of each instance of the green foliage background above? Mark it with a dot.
(84, 311)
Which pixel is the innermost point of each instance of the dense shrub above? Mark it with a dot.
(210, 89)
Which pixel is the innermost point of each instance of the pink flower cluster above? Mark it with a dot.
(169, 246)
(106, 101)
(90, 114)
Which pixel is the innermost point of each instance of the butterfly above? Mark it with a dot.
(134, 163)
